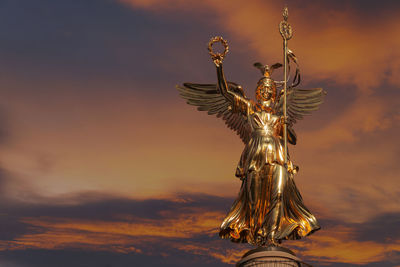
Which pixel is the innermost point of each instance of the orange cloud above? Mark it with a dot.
(332, 44)
(184, 226)
(118, 236)
(213, 249)
(366, 115)
(337, 244)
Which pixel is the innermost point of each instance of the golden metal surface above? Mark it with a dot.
(269, 207)
(286, 32)
(217, 57)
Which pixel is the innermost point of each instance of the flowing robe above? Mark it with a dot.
(269, 207)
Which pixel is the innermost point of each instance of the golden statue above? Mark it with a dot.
(269, 207)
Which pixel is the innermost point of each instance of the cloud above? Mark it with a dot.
(185, 224)
(382, 228)
(338, 245)
(4, 127)
(119, 225)
(368, 114)
(335, 42)
(352, 181)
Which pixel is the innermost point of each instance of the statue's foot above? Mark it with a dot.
(273, 242)
(264, 240)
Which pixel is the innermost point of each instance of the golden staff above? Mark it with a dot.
(286, 31)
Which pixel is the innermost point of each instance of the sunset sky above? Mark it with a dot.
(102, 163)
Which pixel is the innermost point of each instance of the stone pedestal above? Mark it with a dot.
(270, 257)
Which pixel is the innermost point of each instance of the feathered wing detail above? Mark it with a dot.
(300, 102)
(303, 102)
(207, 97)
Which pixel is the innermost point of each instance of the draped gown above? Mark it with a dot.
(269, 207)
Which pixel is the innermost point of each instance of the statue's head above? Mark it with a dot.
(266, 87)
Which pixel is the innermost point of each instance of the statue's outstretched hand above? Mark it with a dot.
(217, 58)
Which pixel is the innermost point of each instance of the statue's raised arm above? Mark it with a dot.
(224, 99)
(235, 95)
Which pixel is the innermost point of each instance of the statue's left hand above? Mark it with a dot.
(283, 120)
(292, 168)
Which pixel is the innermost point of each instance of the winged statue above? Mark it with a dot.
(269, 207)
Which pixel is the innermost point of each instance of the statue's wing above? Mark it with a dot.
(300, 102)
(207, 97)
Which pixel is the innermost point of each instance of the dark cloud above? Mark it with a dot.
(11, 227)
(59, 42)
(360, 8)
(146, 251)
(68, 258)
(92, 205)
(100, 207)
(4, 126)
(381, 228)
(338, 264)
(162, 251)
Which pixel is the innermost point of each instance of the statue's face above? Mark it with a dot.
(265, 91)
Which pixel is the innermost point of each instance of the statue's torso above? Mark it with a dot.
(265, 123)
(264, 146)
